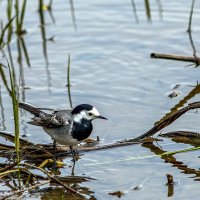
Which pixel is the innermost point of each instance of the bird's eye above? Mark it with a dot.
(90, 114)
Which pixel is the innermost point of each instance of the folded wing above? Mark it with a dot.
(52, 120)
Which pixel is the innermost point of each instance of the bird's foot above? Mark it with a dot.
(75, 157)
(75, 154)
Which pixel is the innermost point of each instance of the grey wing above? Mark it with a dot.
(54, 120)
(63, 117)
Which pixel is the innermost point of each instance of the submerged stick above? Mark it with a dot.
(173, 160)
(68, 188)
(8, 167)
(193, 59)
(186, 134)
(25, 189)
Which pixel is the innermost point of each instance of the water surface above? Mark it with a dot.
(110, 45)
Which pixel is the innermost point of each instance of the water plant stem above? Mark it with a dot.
(68, 81)
(144, 157)
(16, 118)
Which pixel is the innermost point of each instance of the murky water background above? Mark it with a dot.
(111, 68)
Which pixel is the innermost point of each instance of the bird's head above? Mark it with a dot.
(86, 111)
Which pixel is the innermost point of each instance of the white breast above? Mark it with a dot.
(62, 135)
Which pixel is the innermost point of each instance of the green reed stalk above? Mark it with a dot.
(68, 82)
(145, 157)
(68, 71)
(3, 31)
(17, 15)
(148, 9)
(20, 17)
(9, 15)
(22, 13)
(16, 118)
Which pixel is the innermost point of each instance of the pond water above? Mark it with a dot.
(110, 43)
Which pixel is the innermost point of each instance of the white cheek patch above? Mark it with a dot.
(95, 112)
(84, 115)
(80, 116)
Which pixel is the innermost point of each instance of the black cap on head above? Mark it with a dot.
(81, 107)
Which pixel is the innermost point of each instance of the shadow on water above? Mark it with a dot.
(43, 32)
(147, 6)
(44, 41)
(2, 117)
(49, 8)
(71, 3)
(172, 160)
(134, 11)
(160, 9)
(189, 30)
(59, 193)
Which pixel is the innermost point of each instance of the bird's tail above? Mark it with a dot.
(33, 110)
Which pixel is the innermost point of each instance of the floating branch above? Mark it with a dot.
(168, 120)
(186, 137)
(187, 134)
(193, 59)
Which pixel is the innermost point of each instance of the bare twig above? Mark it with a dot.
(195, 60)
(8, 167)
(168, 120)
(187, 134)
(182, 102)
(190, 33)
(68, 188)
(11, 138)
(190, 18)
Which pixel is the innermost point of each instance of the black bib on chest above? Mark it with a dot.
(82, 130)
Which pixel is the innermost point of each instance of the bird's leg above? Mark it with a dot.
(72, 150)
(74, 153)
(73, 167)
(54, 154)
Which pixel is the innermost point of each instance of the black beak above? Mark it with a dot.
(101, 117)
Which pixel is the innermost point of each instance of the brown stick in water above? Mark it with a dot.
(193, 59)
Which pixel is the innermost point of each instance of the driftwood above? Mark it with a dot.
(168, 120)
(193, 59)
(182, 102)
(186, 134)
(186, 137)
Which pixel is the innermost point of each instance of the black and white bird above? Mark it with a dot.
(64, 126)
